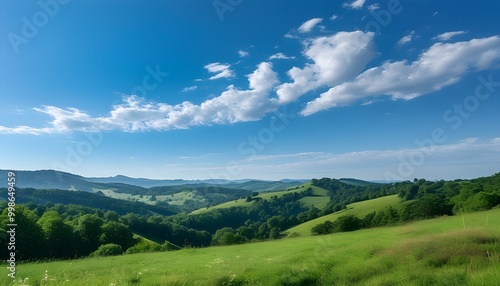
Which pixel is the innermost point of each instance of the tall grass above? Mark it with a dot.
(433, 252)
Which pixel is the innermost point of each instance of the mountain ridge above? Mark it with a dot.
(52, 179)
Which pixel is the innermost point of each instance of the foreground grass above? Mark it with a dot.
(445, 251)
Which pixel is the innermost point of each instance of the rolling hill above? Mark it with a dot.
(318, 198)
(359, 209)
(186, 194)
(49, 179)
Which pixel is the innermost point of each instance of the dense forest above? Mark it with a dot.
(61, 228)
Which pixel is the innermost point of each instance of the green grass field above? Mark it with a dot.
(458, 250)
(359, 209)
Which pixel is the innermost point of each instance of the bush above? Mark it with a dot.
(109, 249)
(348, 223)
(144, 246)
(323, 228)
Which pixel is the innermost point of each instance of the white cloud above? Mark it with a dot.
(309, 25)
(450, 161)
(406, 39)
(190, 88)
(136, 114)
(374, 7)
(439, 66)
(335, 59)
(243, 53)
(356, 4)
(281, 56)
(448, 35)
(207, 155)
(221, 70)
(333, 17)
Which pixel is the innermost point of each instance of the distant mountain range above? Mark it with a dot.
(50, 179)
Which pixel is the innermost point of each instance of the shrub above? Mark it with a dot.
(109, 249)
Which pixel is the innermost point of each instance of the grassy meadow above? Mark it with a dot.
(458, 250)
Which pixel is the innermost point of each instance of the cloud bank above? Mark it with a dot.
(334, 73)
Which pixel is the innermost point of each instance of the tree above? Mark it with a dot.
(60, 241)
(118, 233)
(111, 216)
(89, 228)
(274, 233)
(29, 235)
(227, 236)
(348, 223)
(323, 228)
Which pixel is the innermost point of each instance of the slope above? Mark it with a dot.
(359, 209)
(444, 251)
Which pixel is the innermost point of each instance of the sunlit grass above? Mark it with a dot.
(433, 252)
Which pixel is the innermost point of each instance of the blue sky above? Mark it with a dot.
(251, 89)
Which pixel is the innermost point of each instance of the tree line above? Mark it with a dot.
(423, 200)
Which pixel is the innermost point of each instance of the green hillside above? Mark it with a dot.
(456, 250)
(359, 209)
(318, 198)
(356, 182)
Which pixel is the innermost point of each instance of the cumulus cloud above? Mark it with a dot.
(335, 59)
(356, 4)
(439, 66)
(309, 25)
(243, 53)
(190, 88)
(136, 114)
(220, 70)
(448, 35)
(374, 7)
(281, 56)
(406, 39)
(333, 17)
